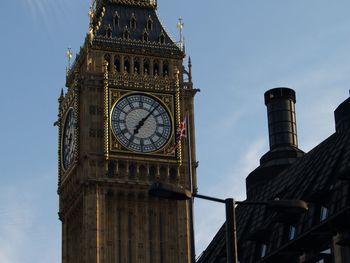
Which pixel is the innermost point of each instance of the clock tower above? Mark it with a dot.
(127, 94)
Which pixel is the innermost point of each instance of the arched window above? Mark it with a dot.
(156, 68)
(117, 64)
(166, 69)
(149, 25)
(136, 66)
(126, 65)
(146, 67)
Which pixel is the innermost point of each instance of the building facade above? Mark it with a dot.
(127, 94)
(320, 177)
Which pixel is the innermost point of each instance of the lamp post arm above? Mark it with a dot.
(209, 198)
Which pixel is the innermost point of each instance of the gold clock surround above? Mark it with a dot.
(166, 100)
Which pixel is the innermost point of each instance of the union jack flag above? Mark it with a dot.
(180, 134)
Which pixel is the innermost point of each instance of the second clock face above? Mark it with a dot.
(141, 123)
(68, 140)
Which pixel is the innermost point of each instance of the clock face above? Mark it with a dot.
(68, 140)
(141, 123)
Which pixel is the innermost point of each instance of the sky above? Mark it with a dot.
(239, 50)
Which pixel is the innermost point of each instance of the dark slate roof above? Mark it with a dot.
(321, 178)
(112, 31)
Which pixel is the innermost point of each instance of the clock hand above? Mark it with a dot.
(142, 122)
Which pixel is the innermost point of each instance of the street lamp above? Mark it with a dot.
(168, 191)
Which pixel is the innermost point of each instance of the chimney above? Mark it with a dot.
(342, 117)
(280, 103)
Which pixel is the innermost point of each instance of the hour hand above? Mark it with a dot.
(142, 122)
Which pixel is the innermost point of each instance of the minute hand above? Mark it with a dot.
(142, 122)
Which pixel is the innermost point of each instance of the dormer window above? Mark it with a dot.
(149, 25)
(133, 22)
(109, 31)
(292, 232)
(145, 37)
(323, 213)
(116, 19)
(162, 38)
(126, 34)
(263, 250)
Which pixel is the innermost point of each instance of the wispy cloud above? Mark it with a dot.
(28, 220)
(230, 185)
(47, 10)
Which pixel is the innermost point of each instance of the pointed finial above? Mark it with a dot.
(180, 26)
(189, 70)
(61, 97)
(69, 55)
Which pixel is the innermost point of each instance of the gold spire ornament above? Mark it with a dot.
(69, 55)
(92, 16)
(180, 26)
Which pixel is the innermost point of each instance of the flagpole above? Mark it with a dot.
(189, 164)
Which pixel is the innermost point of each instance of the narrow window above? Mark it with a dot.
(263, 250)
(156, 69)
(146, 68)
(111, 169)
(116, 19)
(163, 173)
(132, 171)
(117, 64)
(161, 239)
(130, 235)
(136, 66)
(119, 231)
(292, 232)
(133, 22)
(151, 220)
(152, 173)
(165, 70)
(126, 66)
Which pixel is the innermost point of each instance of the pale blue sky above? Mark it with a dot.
(239, 49)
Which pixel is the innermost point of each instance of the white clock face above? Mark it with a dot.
(141, 123)
(68, 140)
